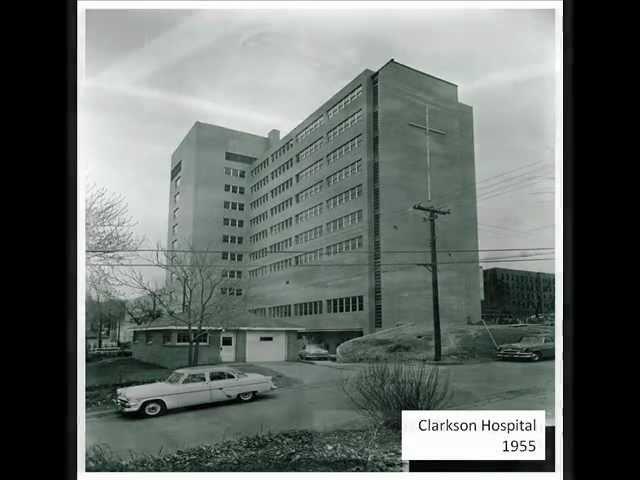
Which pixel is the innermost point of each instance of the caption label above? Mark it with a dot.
(473, 435)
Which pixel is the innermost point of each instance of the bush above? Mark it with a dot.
(382, 390)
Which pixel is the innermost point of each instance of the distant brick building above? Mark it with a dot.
(517, 294)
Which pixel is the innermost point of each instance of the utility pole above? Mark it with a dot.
(433, 214)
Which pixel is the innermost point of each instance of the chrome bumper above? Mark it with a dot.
(511, 354)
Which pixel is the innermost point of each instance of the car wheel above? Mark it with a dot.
(245, 397)
(154, 408)
(536, 356)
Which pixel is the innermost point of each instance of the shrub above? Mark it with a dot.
(382, 390)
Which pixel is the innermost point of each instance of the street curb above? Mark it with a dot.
(100, 412)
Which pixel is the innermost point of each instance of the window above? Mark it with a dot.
(176, 197)
(166, 338)
(341, 105)
(195, 378)
(227, 187)
(266, 339)
(148, 338)
(341, 127)
(175, 229)
(309, 192)
(177, 182)
(227, 341)
(183, 338)
(344, 149)
(176, 211)
(214, 376)
(136, 337)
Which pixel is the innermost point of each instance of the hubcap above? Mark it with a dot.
(152, 409)
(246, 396)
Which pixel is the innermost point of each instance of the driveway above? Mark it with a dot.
(316, 401)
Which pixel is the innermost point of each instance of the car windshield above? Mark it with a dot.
(175, 377)
(237, 373)
(530, 340)
(314, 347)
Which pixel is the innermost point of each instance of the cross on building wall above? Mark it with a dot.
(428, 129)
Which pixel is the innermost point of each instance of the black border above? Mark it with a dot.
(70, 246)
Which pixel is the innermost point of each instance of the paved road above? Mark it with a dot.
(318, 403)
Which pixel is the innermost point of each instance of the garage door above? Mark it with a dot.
(266, 346)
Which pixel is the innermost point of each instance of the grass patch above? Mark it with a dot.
(294, 451)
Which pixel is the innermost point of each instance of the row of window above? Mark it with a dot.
(282, 168)
(353, 218)
(349, 98)
(344, 246)
(261, 235)
(281, 207)
(342, 126)
(344, 149)
(334, 305)
(308, 257)
(259, 184)
(283, 187)
(310, 212)
(234, 274)
(259, 201)
(280, 311)
(343, 103)
(258, 219)
(310, 170)
(311, 128)
(232, 239)
(261, 166)
(309, 192)
(281, 226)
(307, 152)
(228, 205)
(348, 171)
(280, 246)
(345, 304)
(233, 222)
(231, 292)
(307, 308)
(309, 235)
(281, 265)
(344, 197)
(263, 252)
(232, 256)
(234, 172)
(234, 188)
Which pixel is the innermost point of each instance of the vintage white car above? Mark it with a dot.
(192, 386)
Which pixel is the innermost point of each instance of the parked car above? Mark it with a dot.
(529, 347)
(313, 352)
(192, 386)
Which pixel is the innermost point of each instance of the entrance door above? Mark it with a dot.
(228, 347)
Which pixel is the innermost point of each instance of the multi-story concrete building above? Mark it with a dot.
(517, 294)
(318, 225)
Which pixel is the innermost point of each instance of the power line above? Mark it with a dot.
(309, 251)
(231, 265)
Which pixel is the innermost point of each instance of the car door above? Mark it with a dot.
(549, 347)
(194, 390)
(222, 384)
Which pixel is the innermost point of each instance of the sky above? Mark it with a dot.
(148, 75)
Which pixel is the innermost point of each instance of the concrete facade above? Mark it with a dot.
(367, 121)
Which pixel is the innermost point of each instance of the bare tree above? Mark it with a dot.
(109, 240)
(197, 295)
